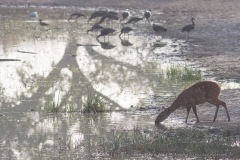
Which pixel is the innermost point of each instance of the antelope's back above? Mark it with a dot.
(201, 92)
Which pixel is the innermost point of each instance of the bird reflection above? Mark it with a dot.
(125, 42)
(157, 44)
(106, 45)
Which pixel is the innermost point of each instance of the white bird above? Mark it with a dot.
(34, 15)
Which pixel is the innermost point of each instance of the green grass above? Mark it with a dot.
(94, 104)
(183, 142)
(183, 73)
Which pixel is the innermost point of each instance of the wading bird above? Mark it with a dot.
(125, 14)
(34, 15)
(42, 23)
(147, 15)
(106, 32)
(125, 30)
(108, 17)
(97, 14)
(95, 28)
(134, 20)
(159, 29)
(112, 13)
(75, 16)
(189, 28)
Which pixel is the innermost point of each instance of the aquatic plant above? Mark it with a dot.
(93, 104)
(53, 107)
(190, 74)
(184, 73)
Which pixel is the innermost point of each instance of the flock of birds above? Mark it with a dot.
(113, 16)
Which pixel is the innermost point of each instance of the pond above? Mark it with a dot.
(48, 75)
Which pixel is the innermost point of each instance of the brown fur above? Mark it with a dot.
(201, 92)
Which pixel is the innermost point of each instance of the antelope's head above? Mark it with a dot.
(163, 115)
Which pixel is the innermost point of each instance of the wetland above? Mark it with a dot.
(51, 76)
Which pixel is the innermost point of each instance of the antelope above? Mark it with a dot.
(201, 92)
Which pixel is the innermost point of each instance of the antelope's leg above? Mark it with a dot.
(218, 102)
(216, 113)
(226, 109)
(188, 110)
(195, 112)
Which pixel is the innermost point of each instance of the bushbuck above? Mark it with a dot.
(201, 92)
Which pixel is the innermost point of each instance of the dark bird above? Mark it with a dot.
(97, 14)
(108, 17)
(95, 27)
(42, 23)
(125, 30)
(106, 32)
(134, 20)
(158, 28)
(75, 16)
(189, 28)
(124, 16)
(147, 15)
(112, 13)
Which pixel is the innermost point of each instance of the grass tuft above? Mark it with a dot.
(53, 108)
(94, 104)
(184, 73)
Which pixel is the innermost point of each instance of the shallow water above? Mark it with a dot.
(61, 65)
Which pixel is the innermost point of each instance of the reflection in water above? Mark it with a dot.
(5, 60)
(125, 42)
(158, 45)
(106, 45)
